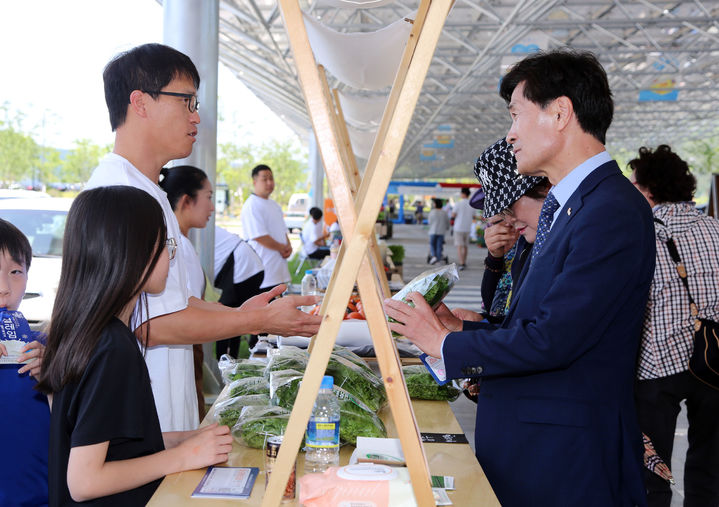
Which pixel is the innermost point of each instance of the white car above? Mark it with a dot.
(42, 220)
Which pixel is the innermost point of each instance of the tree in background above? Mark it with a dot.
(286, 158)
(81, 160)
(18, 151)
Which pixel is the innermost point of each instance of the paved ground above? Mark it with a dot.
(466, 294)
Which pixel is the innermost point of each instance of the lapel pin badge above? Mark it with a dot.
(569, 211)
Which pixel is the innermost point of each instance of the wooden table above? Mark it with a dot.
(457, 460)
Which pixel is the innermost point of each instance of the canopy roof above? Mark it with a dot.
(662, 58)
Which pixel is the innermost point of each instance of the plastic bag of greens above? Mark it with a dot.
(433, 284)
(227, 411)
(422, 386)
(257, 424)
(284, 385)
(248, 385)
(361, 383)
(233, 369)
(356, 419)
(351, 356)
(287, 358)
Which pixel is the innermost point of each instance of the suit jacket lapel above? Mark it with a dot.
(568, 211)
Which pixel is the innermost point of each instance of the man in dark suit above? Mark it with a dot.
(556, 423)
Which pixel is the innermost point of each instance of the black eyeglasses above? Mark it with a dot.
(192, 103)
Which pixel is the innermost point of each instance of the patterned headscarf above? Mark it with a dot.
(496, 170)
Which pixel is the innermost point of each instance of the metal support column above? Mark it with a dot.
(193, 28)
(317, 173)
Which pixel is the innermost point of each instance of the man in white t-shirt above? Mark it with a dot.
(463, 214)
(263, 226)
(314, 236)
(151, 95)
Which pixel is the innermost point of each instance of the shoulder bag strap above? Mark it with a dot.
(674, 254)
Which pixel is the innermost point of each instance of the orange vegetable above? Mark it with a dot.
(355, 315)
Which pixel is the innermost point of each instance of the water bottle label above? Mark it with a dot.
(323, 434)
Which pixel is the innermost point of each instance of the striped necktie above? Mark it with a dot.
(545, 221)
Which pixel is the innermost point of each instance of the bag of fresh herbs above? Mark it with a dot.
(422, 386)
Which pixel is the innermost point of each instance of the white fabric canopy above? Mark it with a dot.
(362, 141)
(351, 4)
(363, 60)
(362, 111)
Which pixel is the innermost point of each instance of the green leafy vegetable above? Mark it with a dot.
(249, 385)
(422, 386)
(257, 424)
(356, 419)
(362, 384)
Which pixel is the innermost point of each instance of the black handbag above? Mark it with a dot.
(704, 360)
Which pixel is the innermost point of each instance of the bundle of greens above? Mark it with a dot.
(234, 369)
(351, 356)
(284, 385)
(356, 419)
(361, 383)
(287, 358)
(227, 411)
(422, 386)
(249, 385)
(257, 424)
(433, 284)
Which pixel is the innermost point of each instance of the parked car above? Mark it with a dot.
(296, 214)
(20, 193)
(42, 220)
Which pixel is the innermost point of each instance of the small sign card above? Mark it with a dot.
(227, 482)
(436, 368)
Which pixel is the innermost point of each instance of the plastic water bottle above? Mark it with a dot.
(309, 287)
(322, 440)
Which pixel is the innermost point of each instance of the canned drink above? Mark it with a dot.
(272, 449)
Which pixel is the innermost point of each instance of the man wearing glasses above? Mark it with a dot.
(151, 95)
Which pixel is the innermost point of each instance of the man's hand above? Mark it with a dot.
(419, 324)
(32, 352)
(262, 299)
(464, 314)
(284, 319)
(286, 251)
(500, 238)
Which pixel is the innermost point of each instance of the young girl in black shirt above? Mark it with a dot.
(106, 446)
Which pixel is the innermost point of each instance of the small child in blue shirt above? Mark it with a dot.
(25, 413)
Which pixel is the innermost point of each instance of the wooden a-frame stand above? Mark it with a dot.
(357, 212)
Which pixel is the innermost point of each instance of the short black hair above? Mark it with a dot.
(563, 73)
(149, 67)
(259, 168)
(181, 180)
(666, 176)
(465, 191)
(14, 242)
(315, 213)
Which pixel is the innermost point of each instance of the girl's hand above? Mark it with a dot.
(500, 238)
(208, 446)
(3, 350)
(33, 351)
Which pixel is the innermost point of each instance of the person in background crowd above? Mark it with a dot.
(578, 314)
(263, 226)
(438, 222)
(190, 195)
(663, 379)
(151, 95)
(314, 237)
(238, 274)
(25, 412)
(105, 438)
(463, 214)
